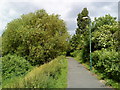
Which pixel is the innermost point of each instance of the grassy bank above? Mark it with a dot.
(49, 75)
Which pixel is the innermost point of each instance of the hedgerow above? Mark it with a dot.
(107, 62)
(13, 66)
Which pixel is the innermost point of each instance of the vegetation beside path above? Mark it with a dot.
(49, 75)
(100, 75)
(29, 43)
(104, 42)
(32, 43)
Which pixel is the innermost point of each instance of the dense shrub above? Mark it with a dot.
(49, 75)
(78, 55)
(38, 36)
(108, 63)
(74, 54)
(13, 65)
(104, 37)
(0, 73)
(0, 46)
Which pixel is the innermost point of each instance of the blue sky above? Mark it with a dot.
(11, 9)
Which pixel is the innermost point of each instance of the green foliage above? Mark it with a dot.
(13, 66)
(77, 41)
(0, 73)
(74, 42)
(105, 64)
(49, 75)
(113, 83)
(108, 63)
(75, 53)
(117, 39)
(81, 22)
(38, 37)
(104, 37)
(78, 55)
(104, 20)
(0, 46)
(105, 46)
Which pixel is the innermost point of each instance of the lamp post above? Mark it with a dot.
(90, 41)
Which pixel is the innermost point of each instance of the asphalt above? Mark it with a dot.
(80, 77)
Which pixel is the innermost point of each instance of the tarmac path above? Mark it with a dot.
(80, 77)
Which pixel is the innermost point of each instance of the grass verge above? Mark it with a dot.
(49, 75)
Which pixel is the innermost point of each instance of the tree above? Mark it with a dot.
(104, 20)
(38, 37)
(78, 39)
(81, 22)
(103, 34)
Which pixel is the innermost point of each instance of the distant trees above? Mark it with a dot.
(38, 37)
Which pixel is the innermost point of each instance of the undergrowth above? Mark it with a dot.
(49, 75)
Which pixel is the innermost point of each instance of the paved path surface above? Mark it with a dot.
(79, 77)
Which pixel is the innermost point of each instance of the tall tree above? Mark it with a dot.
(39, 37)
(77, 41)
(82, 22)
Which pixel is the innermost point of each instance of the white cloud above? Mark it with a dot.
(60, 0)
(12, 12)
(7, 13)
(68, 9)
(61, 8)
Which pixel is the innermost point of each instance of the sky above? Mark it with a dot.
(67, 9)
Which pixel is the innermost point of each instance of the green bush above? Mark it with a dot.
(78, 55)
(0, 46)
(0, 73)
(49, 75)
(108, 63)
(13, 66)
(74, 54)
(38, 36)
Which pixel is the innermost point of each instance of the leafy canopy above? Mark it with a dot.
(38, 37)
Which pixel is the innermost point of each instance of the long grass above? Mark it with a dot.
(49, 75)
